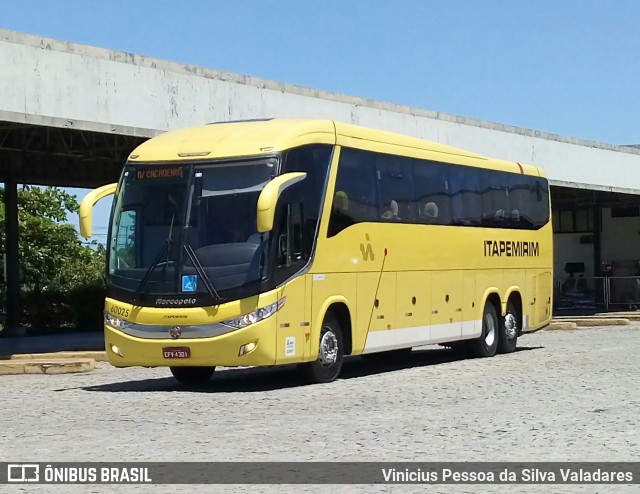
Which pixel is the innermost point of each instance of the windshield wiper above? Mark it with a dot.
(164, 250)
(201, 272)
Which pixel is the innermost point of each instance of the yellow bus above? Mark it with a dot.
(271, 242)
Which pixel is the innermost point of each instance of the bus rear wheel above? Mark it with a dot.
(327, 366)
(509, 329)
(487, 344)
(192, 375)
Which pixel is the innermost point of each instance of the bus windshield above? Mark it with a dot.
(188, 230)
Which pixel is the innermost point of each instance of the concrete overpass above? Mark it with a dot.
(69, 115)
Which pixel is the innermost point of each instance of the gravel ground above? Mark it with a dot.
(563, 396)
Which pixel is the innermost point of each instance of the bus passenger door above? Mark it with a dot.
(293, 321)
(446, 306)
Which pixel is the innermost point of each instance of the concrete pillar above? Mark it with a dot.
(601, 281)
(597, 239)
(12, 276)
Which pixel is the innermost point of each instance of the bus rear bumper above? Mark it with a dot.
(257, 342)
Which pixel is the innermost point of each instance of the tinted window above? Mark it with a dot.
(356, 193)
(394, 176)
(466, 198)
(299, 208)
(380, 187)
(432, 196)
(494, 188)
(539, 201)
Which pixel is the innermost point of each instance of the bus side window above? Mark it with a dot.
(396, 188)
(290, 248)
(432, 192)
(125, 240)
(356, 198)
(466, 204)
(298, 211)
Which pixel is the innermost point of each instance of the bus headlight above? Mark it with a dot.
(115, 322)
(255, 316)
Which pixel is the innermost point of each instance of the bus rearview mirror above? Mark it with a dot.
(268, 199)
(86, 207)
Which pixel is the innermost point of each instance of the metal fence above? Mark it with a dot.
(611, 292)
(624, 292)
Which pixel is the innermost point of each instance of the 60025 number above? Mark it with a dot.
(119, 311)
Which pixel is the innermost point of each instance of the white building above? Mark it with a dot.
(71, 112)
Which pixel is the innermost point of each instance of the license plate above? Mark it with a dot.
(176, 352)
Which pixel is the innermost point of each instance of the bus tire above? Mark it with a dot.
(487, 344)
(509, 329)
(192, 375)
(327, 366)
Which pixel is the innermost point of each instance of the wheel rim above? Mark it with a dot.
(328, 349)
(490, 330)
(510, 326)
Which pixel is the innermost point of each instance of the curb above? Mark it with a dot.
(46, 366)
(94, 355)
(593, 322)
(622, 315)
(575, 323)
(560, 326)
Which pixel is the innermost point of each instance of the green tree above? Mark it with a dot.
(53, 261)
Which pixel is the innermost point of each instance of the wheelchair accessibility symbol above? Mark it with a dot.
(189, 283)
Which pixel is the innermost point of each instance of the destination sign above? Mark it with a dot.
(158, 173)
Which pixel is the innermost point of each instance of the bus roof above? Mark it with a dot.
(264, 137)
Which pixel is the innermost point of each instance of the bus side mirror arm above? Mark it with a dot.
(86, 207)
(268, 199)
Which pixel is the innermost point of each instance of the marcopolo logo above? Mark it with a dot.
(510, 248)
(175, 302)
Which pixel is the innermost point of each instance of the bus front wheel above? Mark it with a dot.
(487, 344)
(330, 354)
(192, 375)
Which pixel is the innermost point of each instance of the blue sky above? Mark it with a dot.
(568, 67)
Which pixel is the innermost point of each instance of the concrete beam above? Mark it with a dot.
(66, 84)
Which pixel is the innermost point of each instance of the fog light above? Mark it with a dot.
(116, 350)
(248, 348)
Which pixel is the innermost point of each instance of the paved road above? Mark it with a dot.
(564, 396)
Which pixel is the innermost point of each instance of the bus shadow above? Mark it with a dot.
(258, 379)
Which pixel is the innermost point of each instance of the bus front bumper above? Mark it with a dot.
(251, 346)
